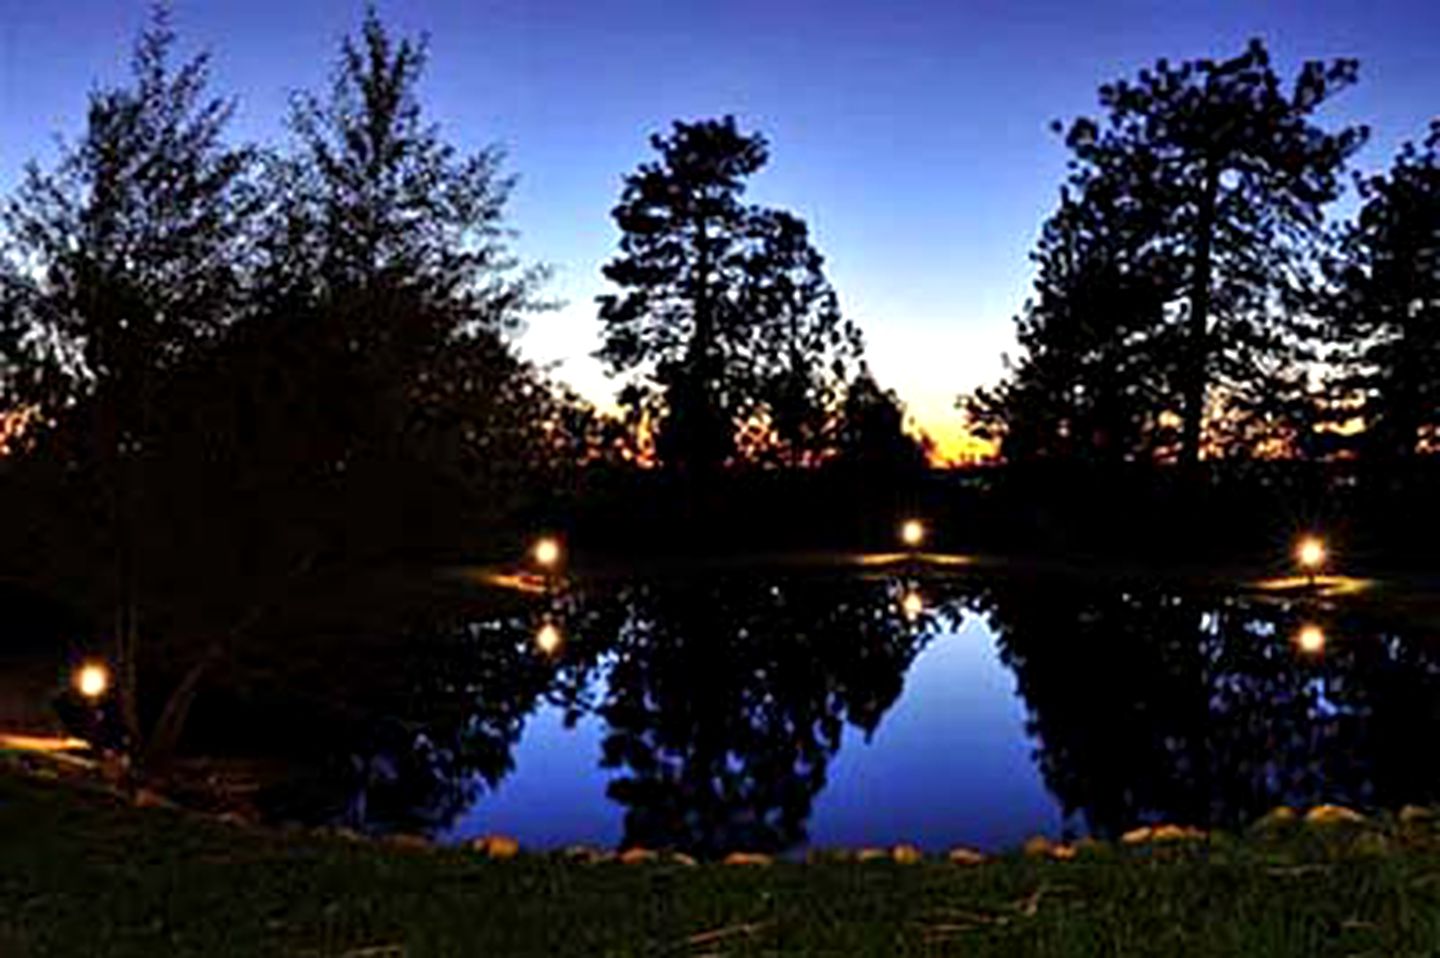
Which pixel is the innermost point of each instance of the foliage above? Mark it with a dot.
(1384, 306)
(131, 256)
(871, 432)
(1094, 381)
(1211, 183)
(725, 320)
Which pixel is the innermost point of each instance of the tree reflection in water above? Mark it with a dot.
(727, 700)
(1149, 706)
(723, 701)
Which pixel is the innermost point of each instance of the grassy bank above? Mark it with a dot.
(82, 875)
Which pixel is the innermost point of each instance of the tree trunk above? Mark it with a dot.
(1197, 362)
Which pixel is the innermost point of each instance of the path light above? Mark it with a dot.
(912, 532)
(546, 552)
(548, 638)
(1310, 553)
(912, 604)
(1310, 639)
(92, 680)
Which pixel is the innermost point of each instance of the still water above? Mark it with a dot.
(778, 713)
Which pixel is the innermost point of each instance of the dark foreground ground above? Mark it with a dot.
(81, 874)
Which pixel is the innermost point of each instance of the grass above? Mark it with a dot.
(82, 874)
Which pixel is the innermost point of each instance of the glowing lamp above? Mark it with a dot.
(548, 638)
(546, 552)
(92, 680)
(1310, 639)
(912, 532)
(1310, 553)
(912, 604)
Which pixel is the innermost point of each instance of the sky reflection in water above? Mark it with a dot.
(951, 762)
(776, 714)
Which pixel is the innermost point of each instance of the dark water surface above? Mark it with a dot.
(772, 713)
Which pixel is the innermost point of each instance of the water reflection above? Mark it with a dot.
(717, 707)
(1210, 710)
(726, 702)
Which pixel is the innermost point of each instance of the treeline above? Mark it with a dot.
(349, 300)
(1192, 301)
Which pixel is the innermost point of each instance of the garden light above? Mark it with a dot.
(912, 532)
(1310, 639)
(547, 552)
(92, 680)
(1310, 553)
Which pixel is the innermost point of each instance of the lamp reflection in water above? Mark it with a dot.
(912, 604)
(548, 638)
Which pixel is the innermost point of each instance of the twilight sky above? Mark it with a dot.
(912, 136)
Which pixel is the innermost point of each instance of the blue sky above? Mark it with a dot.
(913, 136)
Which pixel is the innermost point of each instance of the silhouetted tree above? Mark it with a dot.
(805, 350)
(373, 405)
(871, 431)
(388, 247)
(1385, 305)
(1234, 176)
(725, 319)
(1095, 374)
(126, 260)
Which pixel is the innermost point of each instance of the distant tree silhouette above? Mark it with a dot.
(871, 431)
(1220, 179)
(1384, 306)
(725, 320)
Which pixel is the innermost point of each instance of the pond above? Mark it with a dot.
(771, 712)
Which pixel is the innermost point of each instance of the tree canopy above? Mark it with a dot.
(1186, 245)
(725, 323)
